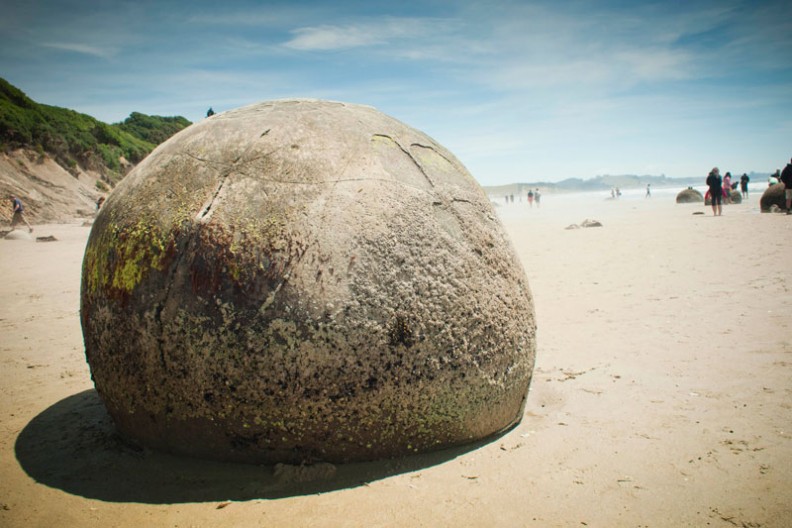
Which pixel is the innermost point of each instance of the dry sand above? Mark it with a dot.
(661, 395)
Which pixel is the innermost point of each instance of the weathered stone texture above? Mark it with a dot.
(305, 280)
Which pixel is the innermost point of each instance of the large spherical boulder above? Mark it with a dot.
(689, 195)
(773, 195)
(305, 280)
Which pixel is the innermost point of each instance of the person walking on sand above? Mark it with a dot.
(786, 177)
(530, 198)
(537, 197)
(744, 179)
(648, 190)
(19, 214)
(715, 185)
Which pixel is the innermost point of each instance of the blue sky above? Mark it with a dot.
(518, 90)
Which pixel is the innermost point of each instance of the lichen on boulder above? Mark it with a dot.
(305, 280)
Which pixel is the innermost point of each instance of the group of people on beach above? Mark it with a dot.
(533, 195)
(720, 188)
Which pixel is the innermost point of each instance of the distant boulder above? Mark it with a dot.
(689, 195)
(735, 196)
(773, 195)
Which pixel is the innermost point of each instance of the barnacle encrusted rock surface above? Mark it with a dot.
(305, 280)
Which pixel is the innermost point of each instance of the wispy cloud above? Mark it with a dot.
(333, 38)
(366, 33)
(84, 49)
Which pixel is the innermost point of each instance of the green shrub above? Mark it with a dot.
(72, 138)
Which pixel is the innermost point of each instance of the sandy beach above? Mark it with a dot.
(661, 395)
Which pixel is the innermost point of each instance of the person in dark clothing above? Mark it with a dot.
(744, 179)
(19, 213)
(715, 185)
(786, 177)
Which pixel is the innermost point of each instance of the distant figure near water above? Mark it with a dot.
(648, 190)
(530, 197)
(744, 179)
(537, 197)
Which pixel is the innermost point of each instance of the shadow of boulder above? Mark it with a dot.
(73, 446)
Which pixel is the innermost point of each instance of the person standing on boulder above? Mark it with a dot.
(715, 185)
(786, 177)
(19, 213)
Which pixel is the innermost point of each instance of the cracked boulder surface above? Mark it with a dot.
(300, 281)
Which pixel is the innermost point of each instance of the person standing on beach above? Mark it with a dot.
(648, 190)
(19, 213)
(530, 197)
(744, 179)
(537, 196)
(715, 185)
(727, 187)
(786, 177)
